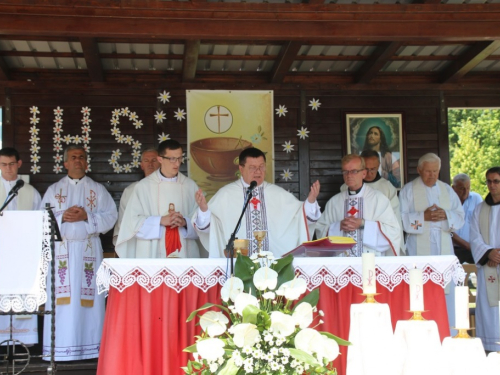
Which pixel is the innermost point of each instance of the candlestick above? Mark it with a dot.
(462, 307)
(416, 290)
(369, 276)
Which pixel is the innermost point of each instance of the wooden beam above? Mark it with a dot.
(191, 53)
(377, 60)
(284, 61)
(4, 70)
(92, 59)
(468, 60)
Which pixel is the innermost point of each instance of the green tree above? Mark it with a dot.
(474, 144)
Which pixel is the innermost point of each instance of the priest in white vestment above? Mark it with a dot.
(485, 246)
(362, 213)
(430, 210)
(83, 210)
(374, 180)
(149, 164)
(24, 327)
(288, 221)
(156, 223)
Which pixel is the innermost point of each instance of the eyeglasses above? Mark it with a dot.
(492, 182)
(253, 168)
(353, 172)
(8, 164)
(371, 170)
(172, 159)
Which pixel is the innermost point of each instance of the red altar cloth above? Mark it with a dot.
(145, 333)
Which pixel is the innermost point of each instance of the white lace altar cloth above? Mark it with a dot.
(24, 276)
(336, 273)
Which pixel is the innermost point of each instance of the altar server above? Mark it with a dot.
(361, 213)
(156, 223)
(485, 245)
(24, 327)
(83, 210)
(288, 221)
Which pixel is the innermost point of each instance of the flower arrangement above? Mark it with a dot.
(270, 328)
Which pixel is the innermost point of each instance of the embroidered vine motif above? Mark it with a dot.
(91, 201)
(62, 268)
(89, 273)
(60, 198)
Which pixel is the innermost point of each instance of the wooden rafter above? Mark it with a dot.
(284, 61)
(191, 53)
(468, 60)
(4, 70)
(377, 60)
(92, 59)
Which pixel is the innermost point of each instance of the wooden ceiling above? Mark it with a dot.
(355, 45)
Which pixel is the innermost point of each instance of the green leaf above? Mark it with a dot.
(190, 349)
(312, 298)
(196, 365)
(302, 356)
(250, 314)
(285, 270)
(229, 368)
(244, 268)
(338, 339)
(185, 369)
(204, 307)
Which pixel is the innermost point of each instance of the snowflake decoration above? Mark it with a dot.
(125, 111)
(127, 168)
(135, 163)
(132, 116)
(35, 158)
(34, 120)
(136, 153)
(314, 104)
(137, 145)
(58, 147)
(115, 121)
(35, 169)
(34, 111)
(116, 112)
(120, 138)
(180, 114)
(85, 111)
(58, 121)
(163, 137)
(115, 131)
(160, 116)
(86, 121)
(85, 129)
(58, 128)
(288, 147)
(281, 110)
(116, 154)
(303, 133)
(34, 149)
(57, 168)
(286, 175)
(67, 139)
(34, 130)
(58, 158)
(117, 168)
(138, 124)
(164, 97)
(58, 111)
(77, 139)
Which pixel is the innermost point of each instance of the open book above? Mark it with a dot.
(324, 247)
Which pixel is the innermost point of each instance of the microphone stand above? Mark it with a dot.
(8, 201)
(230, 243)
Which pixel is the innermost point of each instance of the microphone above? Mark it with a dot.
(252, 186)
(19, 184)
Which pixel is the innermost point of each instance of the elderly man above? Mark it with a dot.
(430, 210)
(361, 213)
(377, 182)
(83, 210)
(149, 164)
(156, 223)
(485, 244)
(289, 222)
(25, 327)
(469, 200)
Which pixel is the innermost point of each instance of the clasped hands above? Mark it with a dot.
(350, 224)
(434, 213)
(173, 220)
(74, 214)
(494, 258)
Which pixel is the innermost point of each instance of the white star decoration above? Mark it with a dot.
(164, 97)
(160, 116)
(281, 111)
(163, 137)
(314, 104)
(287, 146)
(34, 149)
(303, 133)
(286, 175)
(180, 114)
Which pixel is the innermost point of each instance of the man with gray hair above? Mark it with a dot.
(469, 200)
(430, 210)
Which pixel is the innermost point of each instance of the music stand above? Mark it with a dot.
(324, 247)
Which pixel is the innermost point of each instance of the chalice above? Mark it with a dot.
(241, 246)
(259, 235)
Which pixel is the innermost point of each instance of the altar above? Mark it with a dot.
(149, 300)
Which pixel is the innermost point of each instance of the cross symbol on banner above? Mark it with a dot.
(491, 279)
(218, 114)
(91, 200)
(416, 225)
(353, 211)
(60, 198)
(255, 202)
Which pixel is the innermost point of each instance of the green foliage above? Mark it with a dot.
(474, 144)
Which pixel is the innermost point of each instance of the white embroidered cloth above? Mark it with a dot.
(336, 272)
(24, 260)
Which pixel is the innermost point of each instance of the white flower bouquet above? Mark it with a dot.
(270, 328)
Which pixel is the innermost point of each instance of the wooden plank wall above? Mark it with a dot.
(315, 158)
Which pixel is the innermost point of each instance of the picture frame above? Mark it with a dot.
(382, 132)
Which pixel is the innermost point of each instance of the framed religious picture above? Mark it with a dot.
(383, 133)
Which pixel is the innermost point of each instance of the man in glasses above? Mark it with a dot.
(361, 213)
(377, 182)
(288, 221)
(485, 245)
(430, 210)
(149, 164)
(156, 223)
(24, 327)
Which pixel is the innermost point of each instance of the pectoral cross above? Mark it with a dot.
(60, 198)
(255, 202)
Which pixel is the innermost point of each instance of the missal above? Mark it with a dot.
(324, 247)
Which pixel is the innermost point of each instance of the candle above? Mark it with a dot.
(369, 278)
(416, 290)
(462, 307)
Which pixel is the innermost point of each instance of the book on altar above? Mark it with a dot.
(324, 247)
